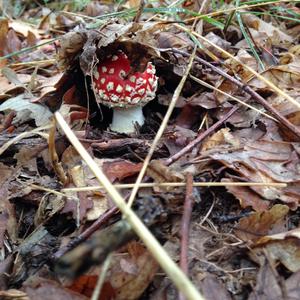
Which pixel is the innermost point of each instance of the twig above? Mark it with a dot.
(95, 250)
(208, 213)
(183, 284)
(250, 91)
(185, 226)
(200, 137)
(87, 233)
(139, 12)
(57, 166)
(174, 184)
(252, 71)
(161, 129)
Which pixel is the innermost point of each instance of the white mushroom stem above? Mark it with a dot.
(124, 119)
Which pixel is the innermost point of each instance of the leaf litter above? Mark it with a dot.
(243, 241)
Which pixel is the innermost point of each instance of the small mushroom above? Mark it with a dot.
(116, 86)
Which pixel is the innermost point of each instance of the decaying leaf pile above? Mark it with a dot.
(222, 189)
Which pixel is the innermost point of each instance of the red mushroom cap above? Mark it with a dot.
(113, 87)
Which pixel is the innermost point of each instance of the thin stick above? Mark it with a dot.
(201, 137)
(185, 226)
(161, 129)
(181, 281)
(87, 233)
(56, 164)
(175, 184)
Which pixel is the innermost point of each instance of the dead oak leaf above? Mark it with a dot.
(284, 77)
(26, 110)
(130, 279)
(286, 251)
(213, 289)
(248, 198)
(266, 161)
(120, 169)
(251, 228)
(223, 138)
(46, 289)
(267, 285)
(162, 173)
(276, 35)
(283, 247)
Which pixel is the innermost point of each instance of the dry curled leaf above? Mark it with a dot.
(266, 161)
(253, 227)
(283, 76)
(39, 288)
(283, 247)
(221, 139)
(119, 169)
(131, 274)
(269, 285)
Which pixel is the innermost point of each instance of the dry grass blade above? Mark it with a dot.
(231, 97)
(242, 7)
(181, 281)
(176, 184)
(101, 278)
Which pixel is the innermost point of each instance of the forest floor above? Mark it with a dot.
(211, 178)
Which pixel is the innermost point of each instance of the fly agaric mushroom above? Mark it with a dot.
(116, 86)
